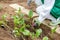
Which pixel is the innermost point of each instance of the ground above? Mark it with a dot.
(4, 34)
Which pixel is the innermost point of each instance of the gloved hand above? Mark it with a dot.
(44, 11)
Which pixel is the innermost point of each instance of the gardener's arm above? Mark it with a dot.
(44, 9)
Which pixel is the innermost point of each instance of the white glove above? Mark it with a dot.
(44, 10)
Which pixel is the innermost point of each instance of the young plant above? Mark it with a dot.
(1, 22)
(26, 32)
(45, 38)
(18, 11)
(18, 19)
(38, 32)
(21, 30)
(53, 30)
(30, 14)
(16, 32)
(4, 17)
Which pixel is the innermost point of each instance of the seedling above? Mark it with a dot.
(30, 14)
(38, 32)
(45, 38)
(1, 22)
(4, 16)
(16, 32)
(26, 32)
(53, 30)
(18, 11)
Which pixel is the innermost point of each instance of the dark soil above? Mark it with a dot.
(4, 35)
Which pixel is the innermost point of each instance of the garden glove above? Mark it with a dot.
(44, 10)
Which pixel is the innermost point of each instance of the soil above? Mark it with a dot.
(5, 35)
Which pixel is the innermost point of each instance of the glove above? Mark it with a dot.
(44, 11)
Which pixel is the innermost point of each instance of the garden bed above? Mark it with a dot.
(6, 32)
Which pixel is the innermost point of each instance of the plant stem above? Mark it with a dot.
(23, 37)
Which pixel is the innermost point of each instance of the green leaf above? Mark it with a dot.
(16, 32)
(18, 11)
(38, 22)
(45, 38)
(38, 32)
(15, 28)
(22, 28)
(16, 21)
(32, 35)
(1, 22)
(53, 30)
(22, 21)
(27, 26)
(30, 13)
(26, 32)
(4, 16)
(15, 17)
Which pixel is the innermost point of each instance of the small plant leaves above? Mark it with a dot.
(16, 32)
(53, 30)
(21, 29)
(4, 16)
(38, 32)
(1, 22)
(30, 14)
(16, 21)
(22, 21)
(26, 32)
(45, 38)
(38, 22)
(32, 35)
(18, 11)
